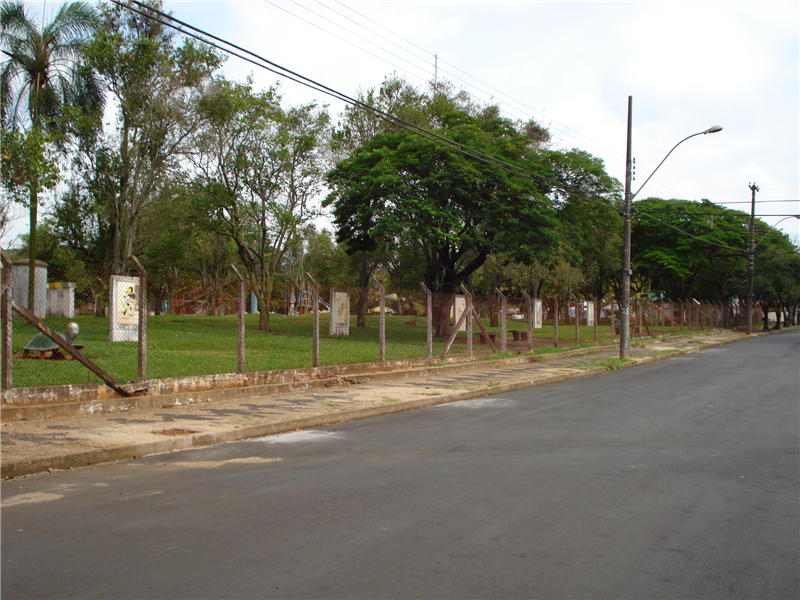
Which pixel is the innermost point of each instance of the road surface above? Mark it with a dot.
(678, 479)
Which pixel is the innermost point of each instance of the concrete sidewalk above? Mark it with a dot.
(33, 446)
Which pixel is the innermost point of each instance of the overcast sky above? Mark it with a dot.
(571, 66)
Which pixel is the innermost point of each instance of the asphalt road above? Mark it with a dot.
(679, 479)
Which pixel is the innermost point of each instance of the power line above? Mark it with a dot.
(431, 136)
(329, 7)
(292, 75)
(343, 39)
(761, 201)
(686, 233)
(614, 159)
(524, 110)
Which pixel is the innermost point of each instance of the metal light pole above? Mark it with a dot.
(624, 330)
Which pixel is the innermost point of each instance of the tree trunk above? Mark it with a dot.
(441, 313)
(264, 297)
(494, 314)
(116, 249)
(34, 200)
(363, 283)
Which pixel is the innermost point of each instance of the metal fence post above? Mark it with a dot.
(531, 317)
(315, 333)
(429, 319)
(555, 322)
(382, 325)
(613, 320)
(639, 317)
(671, 317)
(503, 308)
(142, 319)
(577, 319)
(468, 312)
(5, 307)
(240, 335)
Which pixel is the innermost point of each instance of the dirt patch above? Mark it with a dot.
(175, 432)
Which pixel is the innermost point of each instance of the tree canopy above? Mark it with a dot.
(401, 187)
(677, 242)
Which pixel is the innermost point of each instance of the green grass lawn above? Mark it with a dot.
(200, 345)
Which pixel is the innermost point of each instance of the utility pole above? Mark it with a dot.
(751, 257)
(625, 309)
(625, 312)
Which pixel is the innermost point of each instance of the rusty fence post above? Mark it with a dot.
(639, 317)
(315, 332)
(5, 307)
(577, 318)
(429, 319)
(142, 319)
(613, 320)
(382, 322)
(555, 322)
(468, 312)
(503, 308)
(671, 317)
(531, 317)
(240, 322)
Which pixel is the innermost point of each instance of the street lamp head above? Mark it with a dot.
(713, 129)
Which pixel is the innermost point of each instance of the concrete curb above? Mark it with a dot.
(31, 412)
(126, 452)
(199, 440)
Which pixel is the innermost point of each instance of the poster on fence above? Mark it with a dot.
(590, 314)
(123, 310)
(340, 313)
(537, 314)
(459, 307)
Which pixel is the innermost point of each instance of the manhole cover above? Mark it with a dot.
(175, 432)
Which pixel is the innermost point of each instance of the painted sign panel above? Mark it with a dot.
(123, 310)
(340, 313)
(537, 314)
(590, 314)
(460, 307)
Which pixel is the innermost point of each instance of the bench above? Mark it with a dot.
(482, 338)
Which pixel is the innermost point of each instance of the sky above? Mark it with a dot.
(571, 66)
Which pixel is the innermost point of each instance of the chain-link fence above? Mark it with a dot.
(140, 326)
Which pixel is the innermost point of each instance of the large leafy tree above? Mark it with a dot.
(776, 284)
(259, 170)
(154, 79)
(41, 75)
(587, 199)
(401, 188)
(677, 242)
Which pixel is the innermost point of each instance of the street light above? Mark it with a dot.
(625, 322)
(751, 256)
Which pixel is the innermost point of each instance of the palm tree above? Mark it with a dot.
(40, 76)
